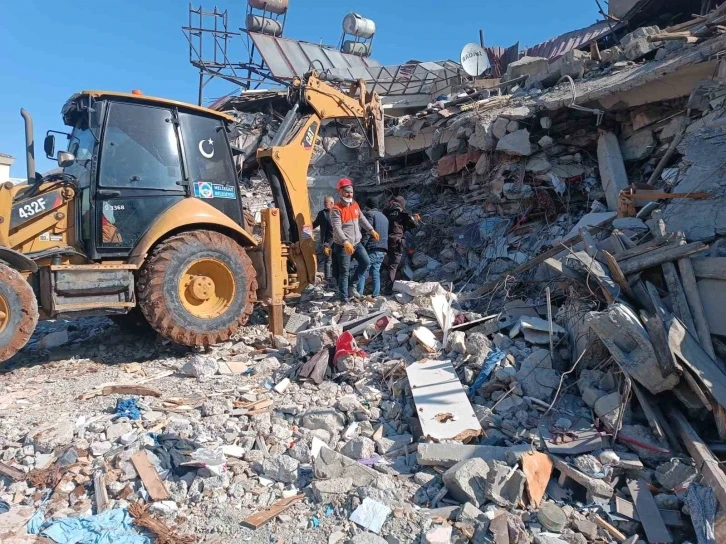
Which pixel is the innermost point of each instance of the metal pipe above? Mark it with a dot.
(29, 145)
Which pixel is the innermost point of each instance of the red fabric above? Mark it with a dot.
(346, 345)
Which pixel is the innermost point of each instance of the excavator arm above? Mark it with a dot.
(290, 263)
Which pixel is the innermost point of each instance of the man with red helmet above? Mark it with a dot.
(347, 219)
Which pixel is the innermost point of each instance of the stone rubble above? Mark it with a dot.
(237, 428)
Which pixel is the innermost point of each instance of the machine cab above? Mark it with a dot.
(134, 157)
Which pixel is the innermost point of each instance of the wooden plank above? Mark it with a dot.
(618, 276)
(655, 529)
(100, 493)
(610, 290)
(701, 454)
(687, 349)
(625, 240)
(149, 476)
(139, 390)
(620, 537)
(672, 518)
(678, 296)
(589, 242)
(655, 325)
(442, 406)
(566, 271)
(659, 256)
(713, 297)
(696, 388)
(642, 249)
(693, 297)
(529, 265)
(258, 519)
(649, 412)
(11, 472)
(710, 267)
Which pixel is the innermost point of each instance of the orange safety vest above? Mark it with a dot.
(350, 213)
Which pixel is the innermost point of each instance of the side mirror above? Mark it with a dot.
(65, 159)
(49, 146)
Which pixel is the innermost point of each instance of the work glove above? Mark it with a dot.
(348, 247)
(328, 252)
(375, 236)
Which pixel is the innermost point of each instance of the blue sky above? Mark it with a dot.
(50, 49)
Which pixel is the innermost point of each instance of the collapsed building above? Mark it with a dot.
(550, 370)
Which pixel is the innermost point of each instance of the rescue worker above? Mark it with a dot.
(376, 249)
(347, 219)
(399, 222)
(322, 221)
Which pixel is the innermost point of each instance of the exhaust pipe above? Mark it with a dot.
(29, 145)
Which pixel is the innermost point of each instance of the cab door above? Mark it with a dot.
(212, 176)
(140, 174)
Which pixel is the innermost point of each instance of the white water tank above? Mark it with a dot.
(359, 49)
(275, 6)
(263, 25)
(359, 26)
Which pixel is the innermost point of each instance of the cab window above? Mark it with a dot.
(207, 150)
(140, 149)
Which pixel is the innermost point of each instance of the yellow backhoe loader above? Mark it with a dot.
(147, 214)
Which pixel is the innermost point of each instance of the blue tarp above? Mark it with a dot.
(494, 357)
(110, 527)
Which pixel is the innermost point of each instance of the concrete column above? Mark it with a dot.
(612, 168)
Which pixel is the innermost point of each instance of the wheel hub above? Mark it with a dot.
(201, 287)
(207, 288)
(4, 313)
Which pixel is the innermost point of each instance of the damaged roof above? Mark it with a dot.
(575, 39)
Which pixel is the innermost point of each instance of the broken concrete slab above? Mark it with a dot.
(499, 128)
(504, 486)
(526, 66)
(636, 44)
(612, 168)
(447, 455)
(331, 464)
(518, 114)
(625, 337)
(483, 137)
(516, 143)
(466, 481)
(639, 146)
(536, 375)
(596, 487)
(311, 341)
(332, 490)
(51, 436)
(442, 406)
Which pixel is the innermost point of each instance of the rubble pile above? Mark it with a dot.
(550, 370)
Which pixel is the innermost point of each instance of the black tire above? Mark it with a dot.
(159, 294)
(22, 312)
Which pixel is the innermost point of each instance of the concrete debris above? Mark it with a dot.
(550, 340)
(516, 143)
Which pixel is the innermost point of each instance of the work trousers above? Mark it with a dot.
(343, 261)
(374, 271)
(327, 261)
(396, 247)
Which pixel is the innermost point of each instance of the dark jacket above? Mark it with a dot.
(326, 228)
(399, 220)
(380, 225)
